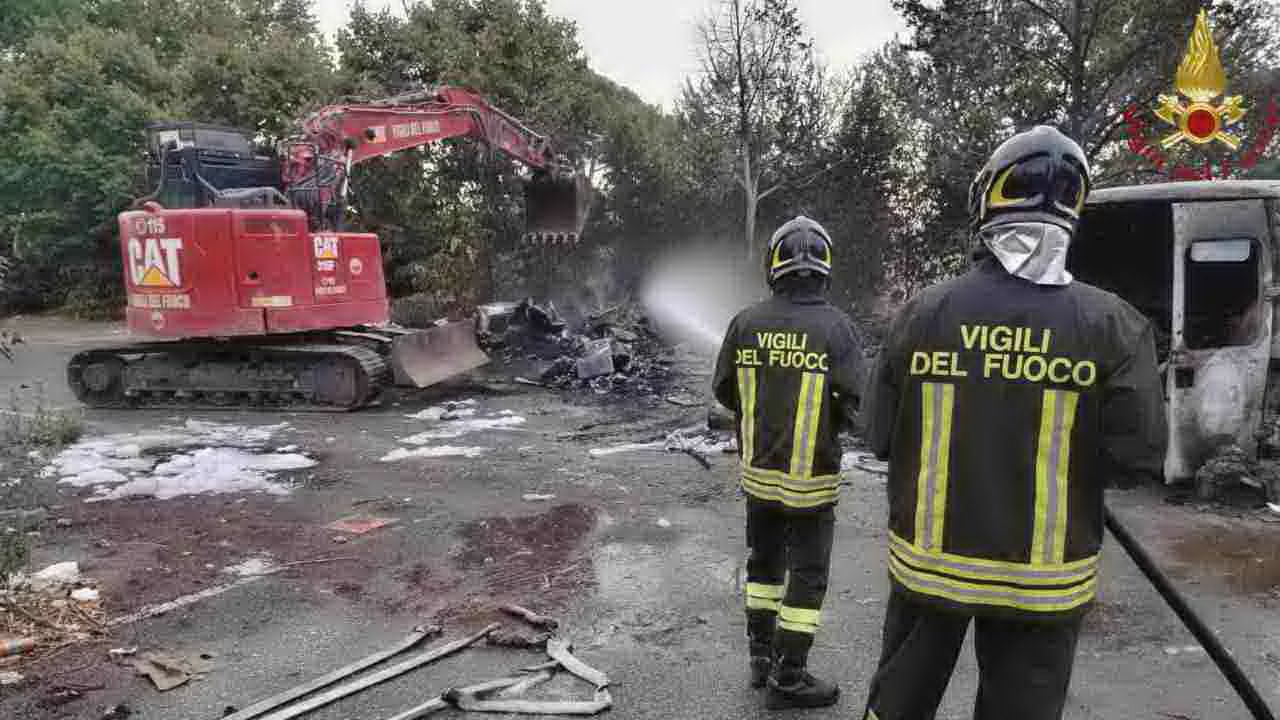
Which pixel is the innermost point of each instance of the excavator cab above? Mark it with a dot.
(193, 165)
(556, 205)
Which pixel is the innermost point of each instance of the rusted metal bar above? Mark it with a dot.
(369, 681)
(288, 696)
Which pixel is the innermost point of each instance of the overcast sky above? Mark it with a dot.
(648, 45)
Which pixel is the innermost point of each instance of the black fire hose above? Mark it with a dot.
(1206, 637)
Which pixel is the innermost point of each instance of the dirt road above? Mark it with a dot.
(637, 552)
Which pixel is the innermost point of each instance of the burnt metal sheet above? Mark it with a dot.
(1184, 192)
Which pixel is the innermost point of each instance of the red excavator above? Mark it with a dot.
(248, 291)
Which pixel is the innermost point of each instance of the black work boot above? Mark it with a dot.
(761, 627)
(791, 686)
(761, 664)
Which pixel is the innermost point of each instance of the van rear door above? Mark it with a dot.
(1220, 343)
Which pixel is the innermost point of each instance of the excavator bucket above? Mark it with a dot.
(555, 207)
(428, 356)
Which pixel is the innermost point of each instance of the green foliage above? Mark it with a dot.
(15, 551)
(31, 423)
(985, 68)
(78, 86)
(449, 216)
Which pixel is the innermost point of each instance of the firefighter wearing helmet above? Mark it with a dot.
(1006, 400)
(790, 370)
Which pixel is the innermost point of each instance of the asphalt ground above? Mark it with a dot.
(638, 554)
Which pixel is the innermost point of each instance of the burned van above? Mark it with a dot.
(1199, 259)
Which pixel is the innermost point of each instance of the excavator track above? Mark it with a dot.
(323, 375)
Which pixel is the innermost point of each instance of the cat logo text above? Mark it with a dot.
(155, 262)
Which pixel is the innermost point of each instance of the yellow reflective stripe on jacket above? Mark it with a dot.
(764, 597)
(801, 620)
(804, 437)
(967, 568)
(1028, 599)
(1053, 457)
(747, 396)
(799, 483)
(768, 489)
(937, 408)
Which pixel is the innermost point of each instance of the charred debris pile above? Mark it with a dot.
(612, 351)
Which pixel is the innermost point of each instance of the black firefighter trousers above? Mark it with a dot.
(787, 568)
(1024, 667)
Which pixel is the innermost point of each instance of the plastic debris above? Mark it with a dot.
(9, 677)
(55, 576)
(16, 646)
(359, 524)
(85, 595)
(168, 671)
(535, 497)
(865, 462)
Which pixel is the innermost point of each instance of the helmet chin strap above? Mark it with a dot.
(1033, 251)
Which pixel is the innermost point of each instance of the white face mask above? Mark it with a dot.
(1032, 251)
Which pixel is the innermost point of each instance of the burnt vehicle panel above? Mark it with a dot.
(1199, 260)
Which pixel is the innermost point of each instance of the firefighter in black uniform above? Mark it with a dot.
(1006, 400)
(790, 368)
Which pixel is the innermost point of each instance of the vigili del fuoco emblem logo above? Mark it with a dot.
(1200, 113)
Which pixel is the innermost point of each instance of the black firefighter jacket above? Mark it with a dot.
(1005, 408)
(790, 368)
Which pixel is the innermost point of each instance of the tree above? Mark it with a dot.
(762, 91)
(77, 88)
(982, 69)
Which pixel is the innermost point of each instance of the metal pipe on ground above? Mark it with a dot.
(1206, 637)
(470, 703)
(559, 650)
(369, 681)
(275, 701)
(439, 703)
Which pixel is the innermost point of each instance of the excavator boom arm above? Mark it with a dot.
(374, 129)
(316, 166)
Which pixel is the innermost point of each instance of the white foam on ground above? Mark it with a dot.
(459, 428)
(458, 408)
(98, 476)
(433, 452)
(225, 459)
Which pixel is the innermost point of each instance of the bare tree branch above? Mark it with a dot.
(1062, 25)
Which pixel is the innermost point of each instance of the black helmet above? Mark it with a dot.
(1039, 175)
(800, 244)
